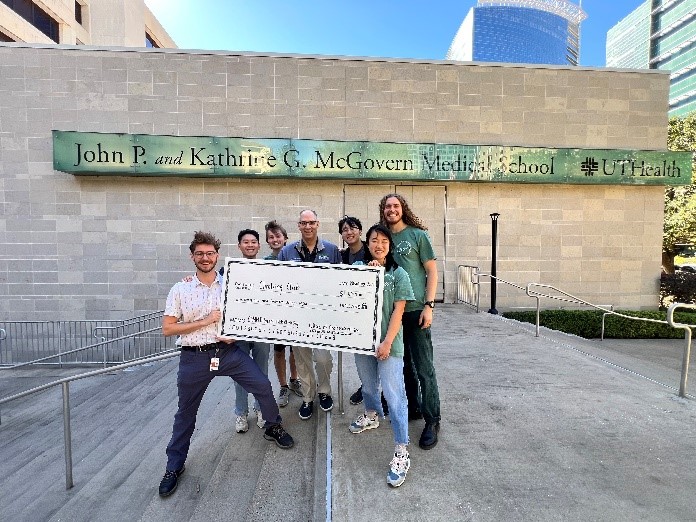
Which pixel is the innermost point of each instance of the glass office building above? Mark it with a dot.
(522, 31)
(660, 34)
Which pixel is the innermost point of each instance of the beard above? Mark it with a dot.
(205, 269)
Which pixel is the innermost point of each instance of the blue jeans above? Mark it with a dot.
(419, 371)
(259, 353)
(390, 373)
(193, 379)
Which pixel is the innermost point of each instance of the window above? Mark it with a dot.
(78, 12)
(5, 38)
(150, 42)
(35, 16)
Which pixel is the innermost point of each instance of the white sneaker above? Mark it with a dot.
(240, 424)
(260, 422)
(398, 467)
(362, 423)
(283, 396)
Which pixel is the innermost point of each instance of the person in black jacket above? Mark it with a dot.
(350, 229)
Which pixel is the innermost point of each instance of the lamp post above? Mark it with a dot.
(494, 279)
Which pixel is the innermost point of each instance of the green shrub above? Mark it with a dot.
(588, 323)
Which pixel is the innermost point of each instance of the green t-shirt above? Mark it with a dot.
(270, 257)
(397, 287)
(412, 249)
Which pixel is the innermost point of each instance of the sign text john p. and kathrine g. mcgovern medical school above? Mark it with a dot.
(84, 153)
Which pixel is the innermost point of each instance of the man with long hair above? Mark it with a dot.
(414, 253)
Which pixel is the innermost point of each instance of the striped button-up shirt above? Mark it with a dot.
(192, 301)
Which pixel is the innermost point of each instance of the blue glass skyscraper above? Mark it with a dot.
(520, 31)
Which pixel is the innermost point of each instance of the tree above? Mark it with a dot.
(680, 202)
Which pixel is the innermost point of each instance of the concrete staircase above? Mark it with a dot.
(121, 424)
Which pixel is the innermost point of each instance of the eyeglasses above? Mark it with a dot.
(348, 228)
(204, 254)
(307, 223)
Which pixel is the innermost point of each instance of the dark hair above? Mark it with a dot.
(407, 217)
(246, 231)
(351, 221)
(379, 227)
(274, 226)
(204, 238)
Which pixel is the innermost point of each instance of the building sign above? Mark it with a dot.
(337, 307)
(86, 153)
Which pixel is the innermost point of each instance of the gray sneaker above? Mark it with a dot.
(283, 396)
(295, 387)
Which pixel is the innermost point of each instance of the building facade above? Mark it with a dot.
(120, 23)
(660, 34)
(519, 31)
(110, 245)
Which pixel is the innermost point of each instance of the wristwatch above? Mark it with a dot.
(431, 304)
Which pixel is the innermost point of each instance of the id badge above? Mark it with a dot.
(214, 364)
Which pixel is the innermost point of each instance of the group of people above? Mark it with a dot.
(402, 366)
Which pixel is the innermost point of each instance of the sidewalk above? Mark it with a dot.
(533, 429)
(549, 428)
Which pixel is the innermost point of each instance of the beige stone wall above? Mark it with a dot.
(91, 247)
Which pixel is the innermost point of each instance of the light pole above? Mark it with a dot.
(494, 279)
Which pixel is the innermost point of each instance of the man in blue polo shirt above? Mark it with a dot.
(311, 249)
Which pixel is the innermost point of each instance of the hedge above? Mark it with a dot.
(588, 323)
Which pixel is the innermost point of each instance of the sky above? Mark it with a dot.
(417, 29)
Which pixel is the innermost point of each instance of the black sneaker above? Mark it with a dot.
(306, 410)
(326, 402)
(170, 481)
(428, 438)
(281, 437)
(357, 397)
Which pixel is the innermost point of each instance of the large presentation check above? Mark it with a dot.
(337, 307)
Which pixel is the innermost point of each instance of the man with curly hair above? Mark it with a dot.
(192, 313)
(414, 253)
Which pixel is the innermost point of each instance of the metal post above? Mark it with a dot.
(340, 383)
(685, 362)
(494, 279)
(67, 436)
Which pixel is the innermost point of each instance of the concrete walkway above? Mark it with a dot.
(548, 428)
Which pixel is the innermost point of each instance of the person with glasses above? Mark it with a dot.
(311, 249)
(350, 229)
(277, 237)
(192, 314)
(249, 246)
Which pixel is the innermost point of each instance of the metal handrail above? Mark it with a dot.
(571, 299)
(134, 342)
(75, 350)
(464, 292)
(65, 383)
(687, 336)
